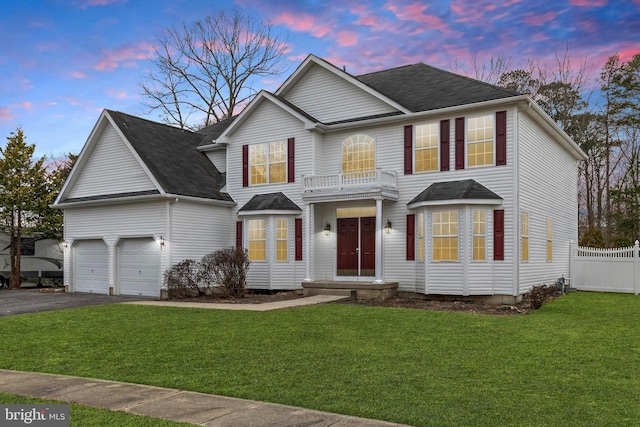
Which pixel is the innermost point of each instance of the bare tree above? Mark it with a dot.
(204, 71)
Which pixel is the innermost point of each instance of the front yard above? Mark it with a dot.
(573, 362)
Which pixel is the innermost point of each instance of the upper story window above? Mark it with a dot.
(268, 162)
(358, 153)
(480, 138)
(426, 147)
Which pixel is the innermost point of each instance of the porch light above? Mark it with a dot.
(387, 227)
(326, 229)
(161, 241)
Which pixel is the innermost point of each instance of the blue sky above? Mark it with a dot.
(62, 62)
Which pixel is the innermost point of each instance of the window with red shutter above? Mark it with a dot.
(501, 138)
(459, 143)
(444, 145)
(498, 235)
(298, 237)
(239, 234)
(291, 170)
(411, 237)
(245, 165)
(408, 150)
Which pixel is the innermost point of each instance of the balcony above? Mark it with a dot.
(350, 186)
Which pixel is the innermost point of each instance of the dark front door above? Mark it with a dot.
(356, 246)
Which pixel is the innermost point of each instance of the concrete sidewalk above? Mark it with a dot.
(267, 306)
(171, 404)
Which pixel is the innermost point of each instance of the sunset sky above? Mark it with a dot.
(63, 61)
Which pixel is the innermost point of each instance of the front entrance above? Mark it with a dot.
(357, 246)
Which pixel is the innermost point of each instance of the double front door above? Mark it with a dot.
(357, 246)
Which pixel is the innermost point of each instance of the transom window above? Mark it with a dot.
(358, 153)
(445, 236)
(257, 240)
(268, 162)
(480, 141)
(426, 147)
(479, 235)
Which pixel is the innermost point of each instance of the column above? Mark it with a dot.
(308, 212)
(379, 231)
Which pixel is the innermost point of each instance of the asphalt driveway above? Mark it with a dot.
(32, 300)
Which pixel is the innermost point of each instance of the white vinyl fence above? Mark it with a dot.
(606, 270)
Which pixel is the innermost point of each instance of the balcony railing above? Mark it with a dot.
(351, 180)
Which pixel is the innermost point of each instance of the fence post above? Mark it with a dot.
(636, 267)
(571, 268)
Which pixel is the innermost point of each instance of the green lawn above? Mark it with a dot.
(573, 362)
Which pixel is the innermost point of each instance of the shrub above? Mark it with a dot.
(182, 279)
(541, 293)
(224, 272)
(221, 273)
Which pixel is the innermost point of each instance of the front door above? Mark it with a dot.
(356, 246)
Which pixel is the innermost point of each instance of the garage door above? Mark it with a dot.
(91, 267)
(139, 267)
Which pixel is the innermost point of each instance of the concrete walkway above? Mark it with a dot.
(171, 404)
(267, 306)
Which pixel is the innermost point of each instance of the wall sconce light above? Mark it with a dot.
(387, 227)
(65, 245)
(161, 241)
(326, 229)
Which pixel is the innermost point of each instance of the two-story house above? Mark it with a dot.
(411, 177)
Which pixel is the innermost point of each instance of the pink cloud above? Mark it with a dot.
(304, 23)
(26, 105)
(117, 94)
(539, 20)
(78, 75)
(588, 3)
(347, 38)
(417, 12)
(126, 55)
(5, 114)
(84, 4)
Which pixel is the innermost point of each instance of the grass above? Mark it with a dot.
(573, 362)
(85, 416)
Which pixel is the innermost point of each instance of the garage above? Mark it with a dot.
(139, 267)
(91, 267)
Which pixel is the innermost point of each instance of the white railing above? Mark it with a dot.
(606, 270)
(377, 178)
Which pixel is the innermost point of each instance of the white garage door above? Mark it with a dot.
(139, 267)
(91, 267)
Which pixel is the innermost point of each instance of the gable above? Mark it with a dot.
(110, 168)
(330, 98)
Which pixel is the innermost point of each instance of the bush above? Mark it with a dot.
(182, 279)
(222, 273)
(539, 294)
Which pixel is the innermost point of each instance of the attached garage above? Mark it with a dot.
(91, 262)
(139, 267)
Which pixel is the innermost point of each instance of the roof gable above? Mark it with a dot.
(263, 203)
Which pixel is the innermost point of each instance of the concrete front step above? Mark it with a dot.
(356, 290)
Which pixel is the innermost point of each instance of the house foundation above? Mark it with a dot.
(355, 290)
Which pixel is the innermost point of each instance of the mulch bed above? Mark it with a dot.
(261, 297)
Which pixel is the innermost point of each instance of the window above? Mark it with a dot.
(549, 240)
(257, 240)
(480, 141)
(358, 153)
(426, 147)
(524, 237)
(479, 235)
(282, 239)
(420, 236)
(445, 236)
(268, 163)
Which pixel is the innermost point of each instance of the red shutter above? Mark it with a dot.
(501, 138)
(291, 170)
(298, 231)
(411, 237)
(245, 165)
(239, 234)
(408, 150)
(498, 235)
(444, 145)
(460, 143)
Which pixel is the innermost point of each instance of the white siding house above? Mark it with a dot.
(413, 177)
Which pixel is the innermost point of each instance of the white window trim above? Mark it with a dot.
(433, 236)
(473, 236)
(466, 140)
(415, 149)
(268, 163)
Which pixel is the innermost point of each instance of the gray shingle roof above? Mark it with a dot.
(171, 156)
(272, 201)
(212, 132)
(455, 190)
(420, 87)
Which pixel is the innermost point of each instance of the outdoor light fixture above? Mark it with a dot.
(387, 227)
(161, 241)
(326, 229)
